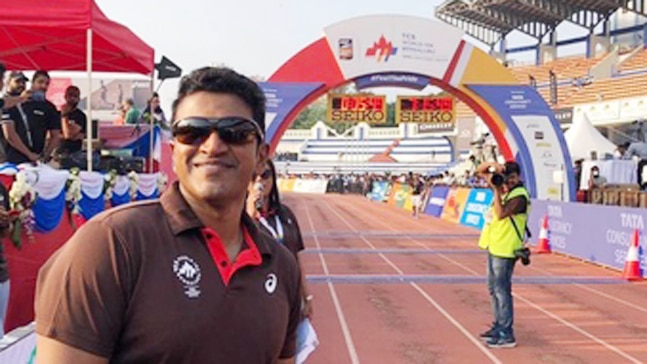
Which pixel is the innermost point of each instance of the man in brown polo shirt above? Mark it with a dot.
(188, 278)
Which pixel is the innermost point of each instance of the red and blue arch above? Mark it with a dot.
(523, 125)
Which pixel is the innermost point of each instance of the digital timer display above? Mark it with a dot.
(357, 108)
(437, 112)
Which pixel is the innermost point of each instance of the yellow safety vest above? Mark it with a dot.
(499, 236)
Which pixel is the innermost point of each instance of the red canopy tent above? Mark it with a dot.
(58, 35)
(69, 35)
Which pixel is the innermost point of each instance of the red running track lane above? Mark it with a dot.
(439, 322)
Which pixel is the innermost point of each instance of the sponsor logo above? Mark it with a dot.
(271, 282)
(382, 50)
(345, 48)
(188, 272)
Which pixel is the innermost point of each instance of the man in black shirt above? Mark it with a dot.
(33, 127)
(6, 101)
(73, 122)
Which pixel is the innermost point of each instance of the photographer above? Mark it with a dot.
(502, 237)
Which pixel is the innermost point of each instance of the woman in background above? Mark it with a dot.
(278, 220)
(154, 111)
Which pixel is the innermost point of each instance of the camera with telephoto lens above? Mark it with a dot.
(497, 178)
(523, 254)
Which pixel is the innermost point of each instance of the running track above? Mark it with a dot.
(391, 289)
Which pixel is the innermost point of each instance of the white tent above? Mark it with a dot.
(583, 138)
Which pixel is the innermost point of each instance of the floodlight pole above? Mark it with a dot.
(151, 127)
(88, 122)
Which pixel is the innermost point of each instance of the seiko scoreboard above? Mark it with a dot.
(356, 108)
(436, 113)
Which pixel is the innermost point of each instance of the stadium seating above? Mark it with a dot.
(610, 89)
(636, 62)
(565, 69)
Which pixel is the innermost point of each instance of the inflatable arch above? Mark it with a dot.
(413, 52)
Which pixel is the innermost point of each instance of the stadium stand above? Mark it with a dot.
(636, 62)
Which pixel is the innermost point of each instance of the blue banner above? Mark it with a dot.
(379, 191)
(141, 146)
(405, 80)
(117, 200)
(48, 213)
(478, 202)
(282, 98)
(596, 233)
(436, 201)
(91, 206)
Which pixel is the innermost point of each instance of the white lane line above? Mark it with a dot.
(581, 286)
(352, 352)
(424, 294)
(580, 330)
(600, 293)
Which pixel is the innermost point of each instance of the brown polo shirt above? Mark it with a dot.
(147, 283)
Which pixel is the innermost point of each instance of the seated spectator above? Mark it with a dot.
(596, 180)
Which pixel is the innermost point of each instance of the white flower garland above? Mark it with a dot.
(110, 180)
(22, 194)
(134, 184)
(73, 191)
(162, 182)
(21, 199)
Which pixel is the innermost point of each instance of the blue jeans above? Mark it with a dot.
(499, 279)
(4, 303)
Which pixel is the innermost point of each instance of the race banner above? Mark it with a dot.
(541, 147)
(378, 191)
(356, 108)
(281, 99)
(455, 204)
(478, 203)
(436, 201)
(431, 113)
(596, 233)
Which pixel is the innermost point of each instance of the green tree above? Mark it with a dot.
(309, 116)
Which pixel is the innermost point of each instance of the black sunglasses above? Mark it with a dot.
(231, 130)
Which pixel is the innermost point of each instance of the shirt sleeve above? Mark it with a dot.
(82, 122)
(6, 116)
(82, 291)
(53, 118)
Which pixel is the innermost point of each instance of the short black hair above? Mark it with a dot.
(512, 167)
(224, 80)
(40, 73)
(3, 68)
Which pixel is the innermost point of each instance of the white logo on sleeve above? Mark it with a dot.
(271, 283)
(188, 272)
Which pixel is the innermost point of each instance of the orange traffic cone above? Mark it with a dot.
(543, 245)
(632, 263)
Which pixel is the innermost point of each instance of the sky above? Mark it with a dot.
(255, 37)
